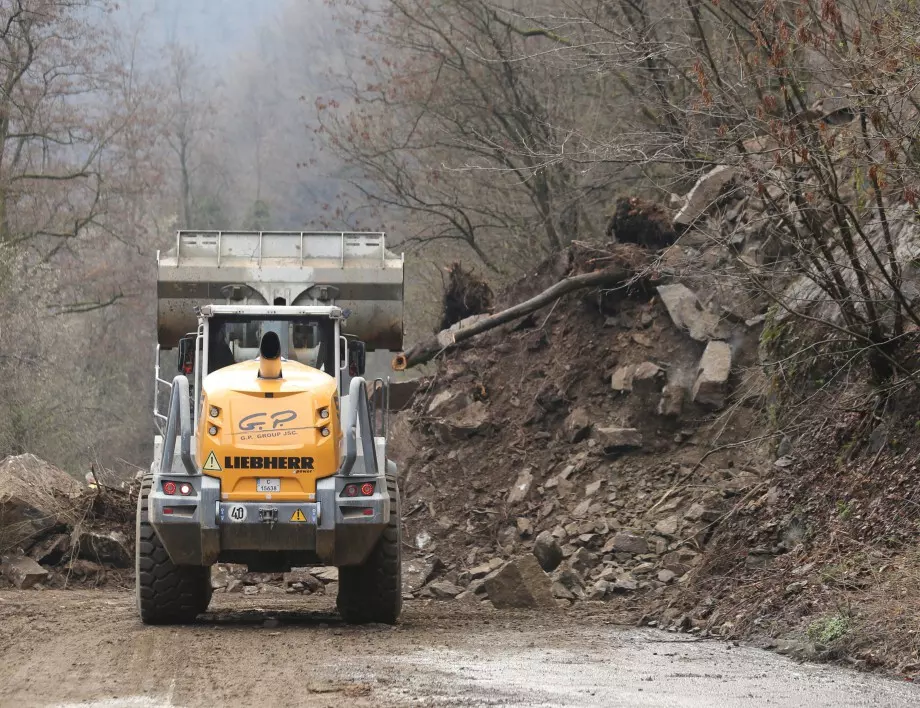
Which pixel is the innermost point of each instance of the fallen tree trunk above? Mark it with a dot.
(448, 339)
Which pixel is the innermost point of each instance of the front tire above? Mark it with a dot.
(372, 592)
(166, 593)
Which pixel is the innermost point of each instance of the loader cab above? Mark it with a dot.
(229, 334)
(309, 335)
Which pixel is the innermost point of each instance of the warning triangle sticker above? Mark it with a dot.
(212, 465)
(298, 516)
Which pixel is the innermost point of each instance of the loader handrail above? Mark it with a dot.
(179, 417)
(358, 411)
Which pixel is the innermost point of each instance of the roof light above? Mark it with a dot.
(212, 430)
(215, 411)
(325, 432)
(324, 413)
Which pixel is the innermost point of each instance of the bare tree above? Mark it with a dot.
(78, 138)
(460, 135)
(189, 122)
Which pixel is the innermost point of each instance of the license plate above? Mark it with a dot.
(272, 484)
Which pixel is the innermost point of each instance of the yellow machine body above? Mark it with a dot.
(256, 431)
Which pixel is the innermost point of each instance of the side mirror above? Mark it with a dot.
(357, 355)
(186, 362)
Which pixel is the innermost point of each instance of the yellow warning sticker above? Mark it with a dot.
(212, 465)
(298, 517)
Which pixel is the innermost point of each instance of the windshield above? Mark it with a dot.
(309, 340)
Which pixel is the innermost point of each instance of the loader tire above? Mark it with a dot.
(372, 592)
(166, 593)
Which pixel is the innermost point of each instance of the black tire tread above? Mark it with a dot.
(166, 593)
(372, 592)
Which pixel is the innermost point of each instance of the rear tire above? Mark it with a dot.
(166, 593)
(372, 592)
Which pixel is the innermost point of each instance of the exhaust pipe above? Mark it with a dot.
(270, 356)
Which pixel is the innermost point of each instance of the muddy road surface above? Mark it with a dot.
(87, 648)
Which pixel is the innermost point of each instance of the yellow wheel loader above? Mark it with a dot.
(273, 451)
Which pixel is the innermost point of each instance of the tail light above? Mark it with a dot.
(353, 490)
(184, 489)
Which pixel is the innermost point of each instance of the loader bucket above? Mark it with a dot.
(352, 270)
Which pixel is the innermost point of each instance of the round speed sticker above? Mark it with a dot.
(237, 512)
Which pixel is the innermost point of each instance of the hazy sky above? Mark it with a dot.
(217, 28)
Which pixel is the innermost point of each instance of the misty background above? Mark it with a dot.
(252, 74)
(174, 113)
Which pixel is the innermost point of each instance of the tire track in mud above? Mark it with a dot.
(62, 649)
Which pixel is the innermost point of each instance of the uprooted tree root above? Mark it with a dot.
(641, 222)
(465, 295)
(590, 268)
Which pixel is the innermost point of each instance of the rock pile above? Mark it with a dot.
(560, 459)
(54, 531)
(232, 578)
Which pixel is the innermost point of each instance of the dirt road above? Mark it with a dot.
(88, 648)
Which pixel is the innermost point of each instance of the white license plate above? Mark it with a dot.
(272, 484)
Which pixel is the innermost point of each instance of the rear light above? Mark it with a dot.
(185, 489)
(368, 512)
(354, 490)
(324, 432)
(169, 488)
(212, 430)
(324, 413)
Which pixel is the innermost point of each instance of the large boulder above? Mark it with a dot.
(35, 498)
(622, 378)
(715, 367)
(521, 487)
(417, 572)
(615, 440)
(625, 542)
(448, 402)
(465, 423)
(444, 590)
(108, 547)
(521, 583)
(577, 426)
(547, 551)
(704, 195)
(687, 313)
(51, 550)
(302, 579)
(22, 571)
(648, 378)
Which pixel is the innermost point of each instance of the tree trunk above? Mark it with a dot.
(448, 339)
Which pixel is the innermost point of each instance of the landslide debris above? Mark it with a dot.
(568, 444)
(679, 449)
(57, 532)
